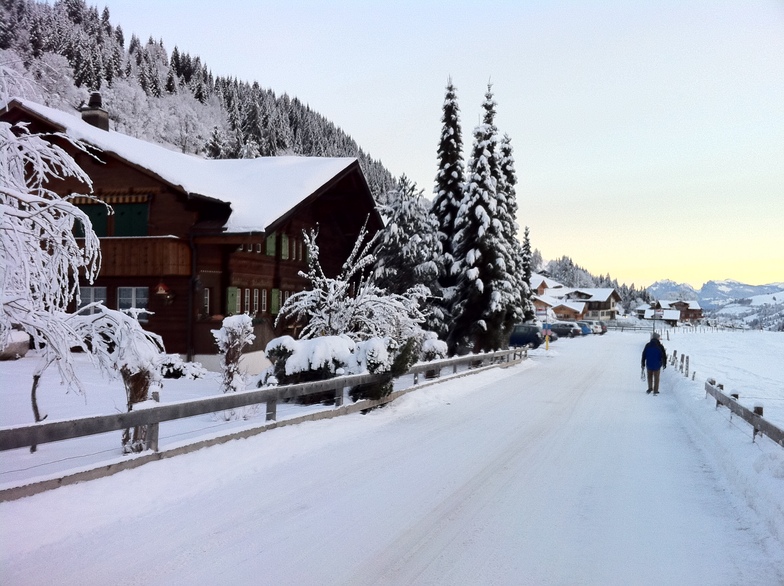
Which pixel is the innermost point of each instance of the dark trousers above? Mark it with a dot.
(653, 380)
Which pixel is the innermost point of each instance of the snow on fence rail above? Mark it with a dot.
(754, 418)
(30, 435)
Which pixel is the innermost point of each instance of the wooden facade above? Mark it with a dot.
(168, 249)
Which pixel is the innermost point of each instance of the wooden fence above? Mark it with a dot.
(753, 417)
(150, 417)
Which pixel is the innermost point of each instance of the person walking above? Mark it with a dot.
(654, 358)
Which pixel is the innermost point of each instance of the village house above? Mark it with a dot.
(192, 240)
(689, 311)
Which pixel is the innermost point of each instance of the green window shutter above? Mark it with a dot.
(271, 244)
(284, 247)
(275, 302)
(232, 295)
(130, 219)
(98, 214)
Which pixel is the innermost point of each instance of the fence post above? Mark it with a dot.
(151, 434)
(687, 367)
(682, 360)
(758, 412)
(339, 396)
(272, 409)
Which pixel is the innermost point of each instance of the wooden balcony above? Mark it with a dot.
(145, 256)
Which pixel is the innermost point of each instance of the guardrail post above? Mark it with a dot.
(758, 412)
(687, 367)
(151, 433)
(339, 392)
(272, 409)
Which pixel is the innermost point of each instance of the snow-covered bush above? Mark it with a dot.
(174, 367)
(231, 339)
(433, 348)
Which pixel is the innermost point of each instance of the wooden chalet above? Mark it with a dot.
(600, 304)
(688, 311)
(193, 240)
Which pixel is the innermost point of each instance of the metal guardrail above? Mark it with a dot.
(753, 417)
(44, 432)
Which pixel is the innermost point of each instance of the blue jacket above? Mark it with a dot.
(654, 356)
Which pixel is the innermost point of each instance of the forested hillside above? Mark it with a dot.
(69, 48)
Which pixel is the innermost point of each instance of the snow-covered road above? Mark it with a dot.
(558, 471)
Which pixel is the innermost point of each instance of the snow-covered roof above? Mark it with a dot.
(691, 303)
(600, 294)
(537, 280)
(259, 190)
(667, 314)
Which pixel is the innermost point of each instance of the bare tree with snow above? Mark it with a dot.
(352, 303)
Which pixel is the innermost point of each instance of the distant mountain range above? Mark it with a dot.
(753, 305)
(713, 294)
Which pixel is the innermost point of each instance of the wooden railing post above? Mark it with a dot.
(151, 433)
(272, 409)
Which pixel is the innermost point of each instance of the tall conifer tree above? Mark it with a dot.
(448, 190)
(481, 248)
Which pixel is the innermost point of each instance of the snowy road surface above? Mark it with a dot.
(559, 471)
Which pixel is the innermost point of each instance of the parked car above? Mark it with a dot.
(523, 334)
(566, 329)
(603, 326)
(595, 327)
(585, 328)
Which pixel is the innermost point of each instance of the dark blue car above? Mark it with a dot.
(523, 334)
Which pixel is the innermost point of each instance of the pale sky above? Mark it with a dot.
(648, 136)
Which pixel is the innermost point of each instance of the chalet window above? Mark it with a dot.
(284, 247)
(255, 301)
(130, 219)
(133, 297)
(258, 247)
(271, 244)
(247, 300)
(91, 295)
(263, 301)
(299, 250)
(275, 302)
(205, 308)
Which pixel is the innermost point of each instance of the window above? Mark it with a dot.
(258, 247)
(299, 250)
(247, 300)
(263, 301)
(91, 295)
(133, 297)
(255, 301)
(205, 304)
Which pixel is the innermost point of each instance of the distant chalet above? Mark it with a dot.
(193, 240)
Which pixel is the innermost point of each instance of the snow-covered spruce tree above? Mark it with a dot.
(521, 306)
(448, 190)
(351, 303)
(408, 251)
(484, 291)
(529, 312)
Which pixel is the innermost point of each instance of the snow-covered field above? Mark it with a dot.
(750, 363)
(558, 471)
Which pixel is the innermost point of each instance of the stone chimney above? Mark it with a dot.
(94, 114)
